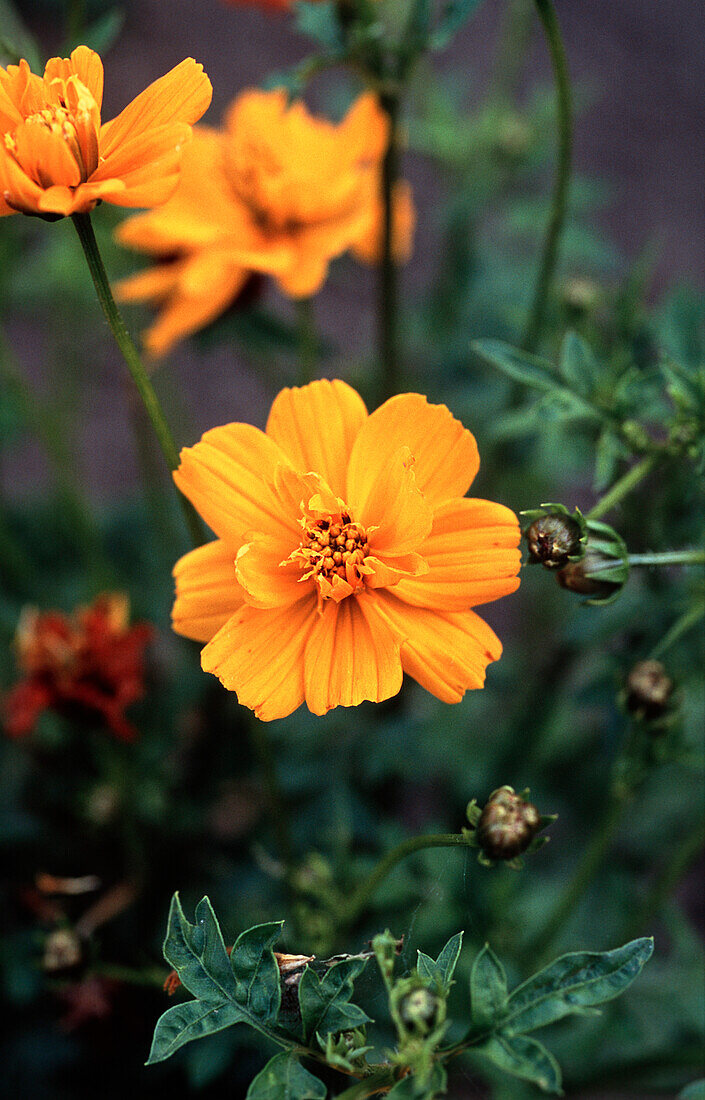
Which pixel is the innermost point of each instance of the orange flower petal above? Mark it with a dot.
(181, 95)
(229, 478)
(387, 573)
(472, 555)
(389, 500)
(87, 66)
(316, 426)
(16, 186)
(268, 583)
(207, 592)
(351, 655)
(445, 452)
(45, 155)
(445, 652)
(260, 655)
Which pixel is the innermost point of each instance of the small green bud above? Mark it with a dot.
(580, 295)
(648, 690)
(420, 1009)
(554, 537)
(507, 825)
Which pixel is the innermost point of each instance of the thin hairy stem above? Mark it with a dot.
(561, 184)
(690, 618)
(134, 363)
(624, 486)
(669, 557)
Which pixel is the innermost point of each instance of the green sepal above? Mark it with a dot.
(284, 1078)
(556, 509)
(325, 1002)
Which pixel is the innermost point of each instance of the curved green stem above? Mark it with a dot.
(559, 200)
(84, 228)
(388, 281)
(541, 945)
(624, 486)
(690, 618)
(669, 557)
(414, 844)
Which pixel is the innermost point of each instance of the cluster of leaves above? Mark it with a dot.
(316, 1019)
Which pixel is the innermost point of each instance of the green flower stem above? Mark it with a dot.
(367, 888)
(388, 274)
(261, 745)
(624, 486)
(669, 557)
(668, 878)
(378, 1082)
(307, 341)
(540, 947)
(514, 40)
(690, 618)
(559, 200)
(84, 228)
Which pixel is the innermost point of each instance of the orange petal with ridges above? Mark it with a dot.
(445, 453)
(316, 426)
(85, 64)
(207, 592)
(181, 95)
(351, 655)
(472, 555)
(260, 655)
(389, 499)
(266, 582)
(447, 653)
(190, 310)
(16, 185)
(229, 478)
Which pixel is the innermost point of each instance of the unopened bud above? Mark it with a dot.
(62, 950)
(580, 295)
(648, 690)
(507, 824)
(603, 571)
(420, 1009)
(553, 540)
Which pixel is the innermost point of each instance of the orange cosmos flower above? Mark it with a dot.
(89, 664)
(56, 158)
(346, 553)
(278, 192)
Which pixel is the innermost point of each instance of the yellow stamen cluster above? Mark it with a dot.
(333, 553)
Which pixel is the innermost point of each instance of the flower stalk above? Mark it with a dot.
(86, 235)
(624, 486)
(559, 201)
(669, 557)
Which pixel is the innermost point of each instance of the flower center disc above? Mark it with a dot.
(333, 553)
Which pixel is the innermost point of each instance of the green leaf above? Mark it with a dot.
(532, 371)
(573, 983)
(255, 970)
(284, 1078)
(454, 16)
(319, 21)
(442, 969)
(15, 40)
(411, 1088)
(578, 365)
(325, 1002)
(524, 1058)
(197, 953)
(192, 1020)
(488, 989)
(104, 32)
(694, 1091)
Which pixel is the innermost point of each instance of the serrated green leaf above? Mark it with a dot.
(284, 1078)
(255, 970)
(573, 982)
(441, 970)
(197, 953)
(578, 365)
(454, 16)
(192, 1020)
(488, 989)
(325, 1002)
(524, 1058)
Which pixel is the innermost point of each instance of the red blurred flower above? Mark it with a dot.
(89, 664)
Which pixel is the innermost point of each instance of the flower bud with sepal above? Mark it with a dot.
(648, 692)
(554, 536)
(507, 827)
(603, 570)
(420, 1009)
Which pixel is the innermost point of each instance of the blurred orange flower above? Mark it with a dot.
(57, 159)
(86, 664)
(279, 192)
(346, 553)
